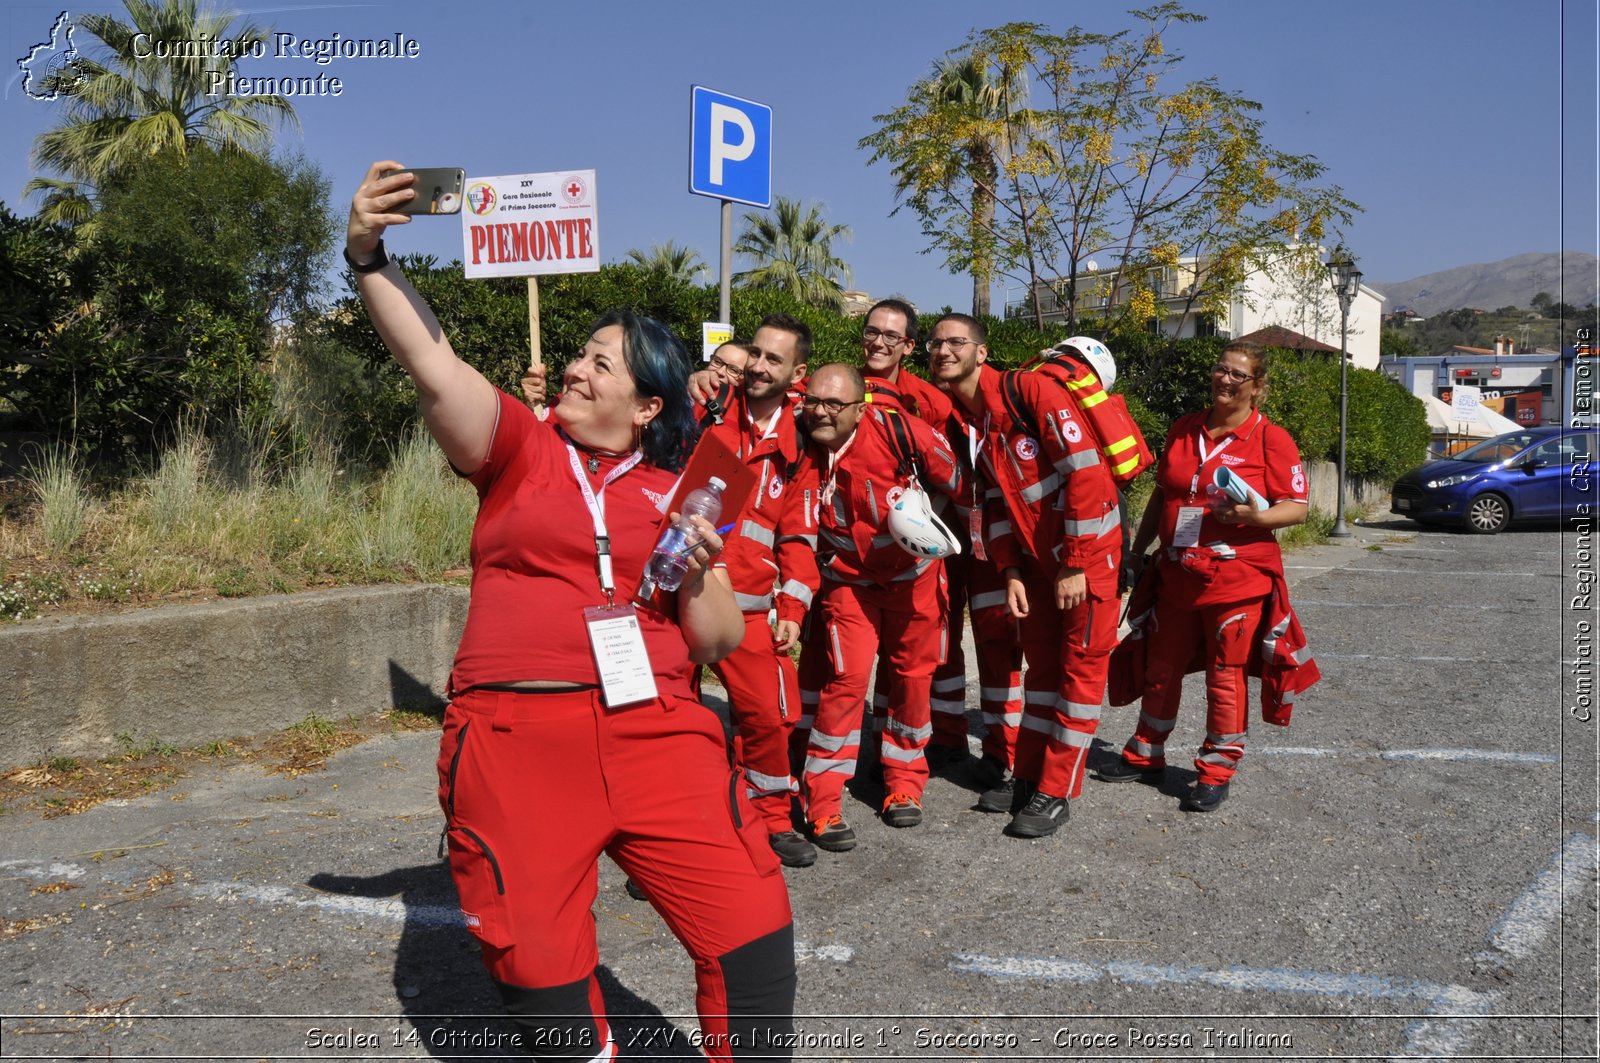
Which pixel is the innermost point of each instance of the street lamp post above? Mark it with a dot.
(1346, 283)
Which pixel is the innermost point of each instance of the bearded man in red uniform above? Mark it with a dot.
(771, 559)
(876, 598)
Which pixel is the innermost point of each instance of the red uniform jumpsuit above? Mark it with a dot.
(875, 596)
(1052, 503)
(927, 403)
(1213, 590)
(775, 542)
(977, 585)
(535, 786)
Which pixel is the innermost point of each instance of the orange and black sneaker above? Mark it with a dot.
(902, 810)
(833, 834)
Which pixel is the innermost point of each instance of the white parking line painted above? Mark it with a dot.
(1519, 932)
(381, 908)
(1434, 574)
(1236, 979)
(1430, 660)
(1495, 755)
(1450, 1035)
(1300, 603)
(1515, 936)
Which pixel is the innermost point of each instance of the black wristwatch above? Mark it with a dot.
(368, 267)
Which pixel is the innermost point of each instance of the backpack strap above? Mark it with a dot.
(900, 442)
(716, 407)
(1011, 392)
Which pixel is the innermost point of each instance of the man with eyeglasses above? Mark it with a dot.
(957, 351)
(877, 599)
(1052, 526)
(771, 561)
(889, 335)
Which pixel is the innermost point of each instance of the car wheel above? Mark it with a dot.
(1488, 513)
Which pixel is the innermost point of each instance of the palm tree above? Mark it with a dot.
(679, 263)
(791, 249)
(965, 85)
(132, 103)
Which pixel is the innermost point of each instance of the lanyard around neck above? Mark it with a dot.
(1207, 455)
(596, 502)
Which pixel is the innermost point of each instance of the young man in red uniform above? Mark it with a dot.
(1052, 526)
(774, 544)
(876, 598)
(976, 585)
(888, 337)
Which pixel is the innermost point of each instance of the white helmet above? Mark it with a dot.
(1096, 354)
(916, 528)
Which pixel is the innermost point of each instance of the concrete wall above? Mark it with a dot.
(191, 674)
(1323, 480)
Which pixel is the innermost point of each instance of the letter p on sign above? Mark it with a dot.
(723, 150)
(730, 148)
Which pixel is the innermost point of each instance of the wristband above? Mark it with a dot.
(368, 267)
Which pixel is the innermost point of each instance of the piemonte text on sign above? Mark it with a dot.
(531, 224)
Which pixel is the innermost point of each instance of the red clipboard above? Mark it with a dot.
(712, 457)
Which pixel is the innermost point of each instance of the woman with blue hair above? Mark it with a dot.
(572, 730)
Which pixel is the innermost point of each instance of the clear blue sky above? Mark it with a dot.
(1445, 119)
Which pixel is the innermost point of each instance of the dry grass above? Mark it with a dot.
(64, 786)
(212, 520)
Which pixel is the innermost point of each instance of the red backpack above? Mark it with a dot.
(1112, 427)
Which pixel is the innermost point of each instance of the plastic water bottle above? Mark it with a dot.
(670, 561)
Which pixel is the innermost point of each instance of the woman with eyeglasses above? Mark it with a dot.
(1217, 573)
(571, 729)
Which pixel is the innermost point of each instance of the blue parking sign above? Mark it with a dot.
(730, 147)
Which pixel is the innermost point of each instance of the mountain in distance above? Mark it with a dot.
(1510, 282)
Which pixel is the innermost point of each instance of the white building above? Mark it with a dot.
(1285, 295)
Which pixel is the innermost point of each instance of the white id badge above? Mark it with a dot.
(619, 653)
(1187, 533)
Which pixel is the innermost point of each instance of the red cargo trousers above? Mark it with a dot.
(535, 786)
(1069, 655)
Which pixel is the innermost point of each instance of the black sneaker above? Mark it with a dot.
(998, 797)
(1205, 797)
(636, 891)
(792, 848)
(1120, 770)
(942, 759)
(1039, 817)
(988, 772)
(833, 834)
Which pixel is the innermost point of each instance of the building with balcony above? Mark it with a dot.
(1281, 295)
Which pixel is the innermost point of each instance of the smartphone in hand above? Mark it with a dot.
(438, 190)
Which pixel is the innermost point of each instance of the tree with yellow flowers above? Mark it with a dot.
(1085, 145)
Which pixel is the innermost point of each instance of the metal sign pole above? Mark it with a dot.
(724, 308)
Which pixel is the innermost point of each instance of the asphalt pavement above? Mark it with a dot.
(1408, 871)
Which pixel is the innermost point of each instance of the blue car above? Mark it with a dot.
(1533, 474)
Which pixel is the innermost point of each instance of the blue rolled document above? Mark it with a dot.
(1237, 488)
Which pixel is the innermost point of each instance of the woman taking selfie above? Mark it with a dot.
(571, 729)
(1218, 572)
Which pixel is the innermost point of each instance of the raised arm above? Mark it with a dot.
(458, 404)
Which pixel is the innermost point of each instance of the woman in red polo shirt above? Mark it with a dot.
(572, 730)
(1218, 567)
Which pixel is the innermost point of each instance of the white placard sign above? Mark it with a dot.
(1464, 403)
(531, 224)
(713, 334)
